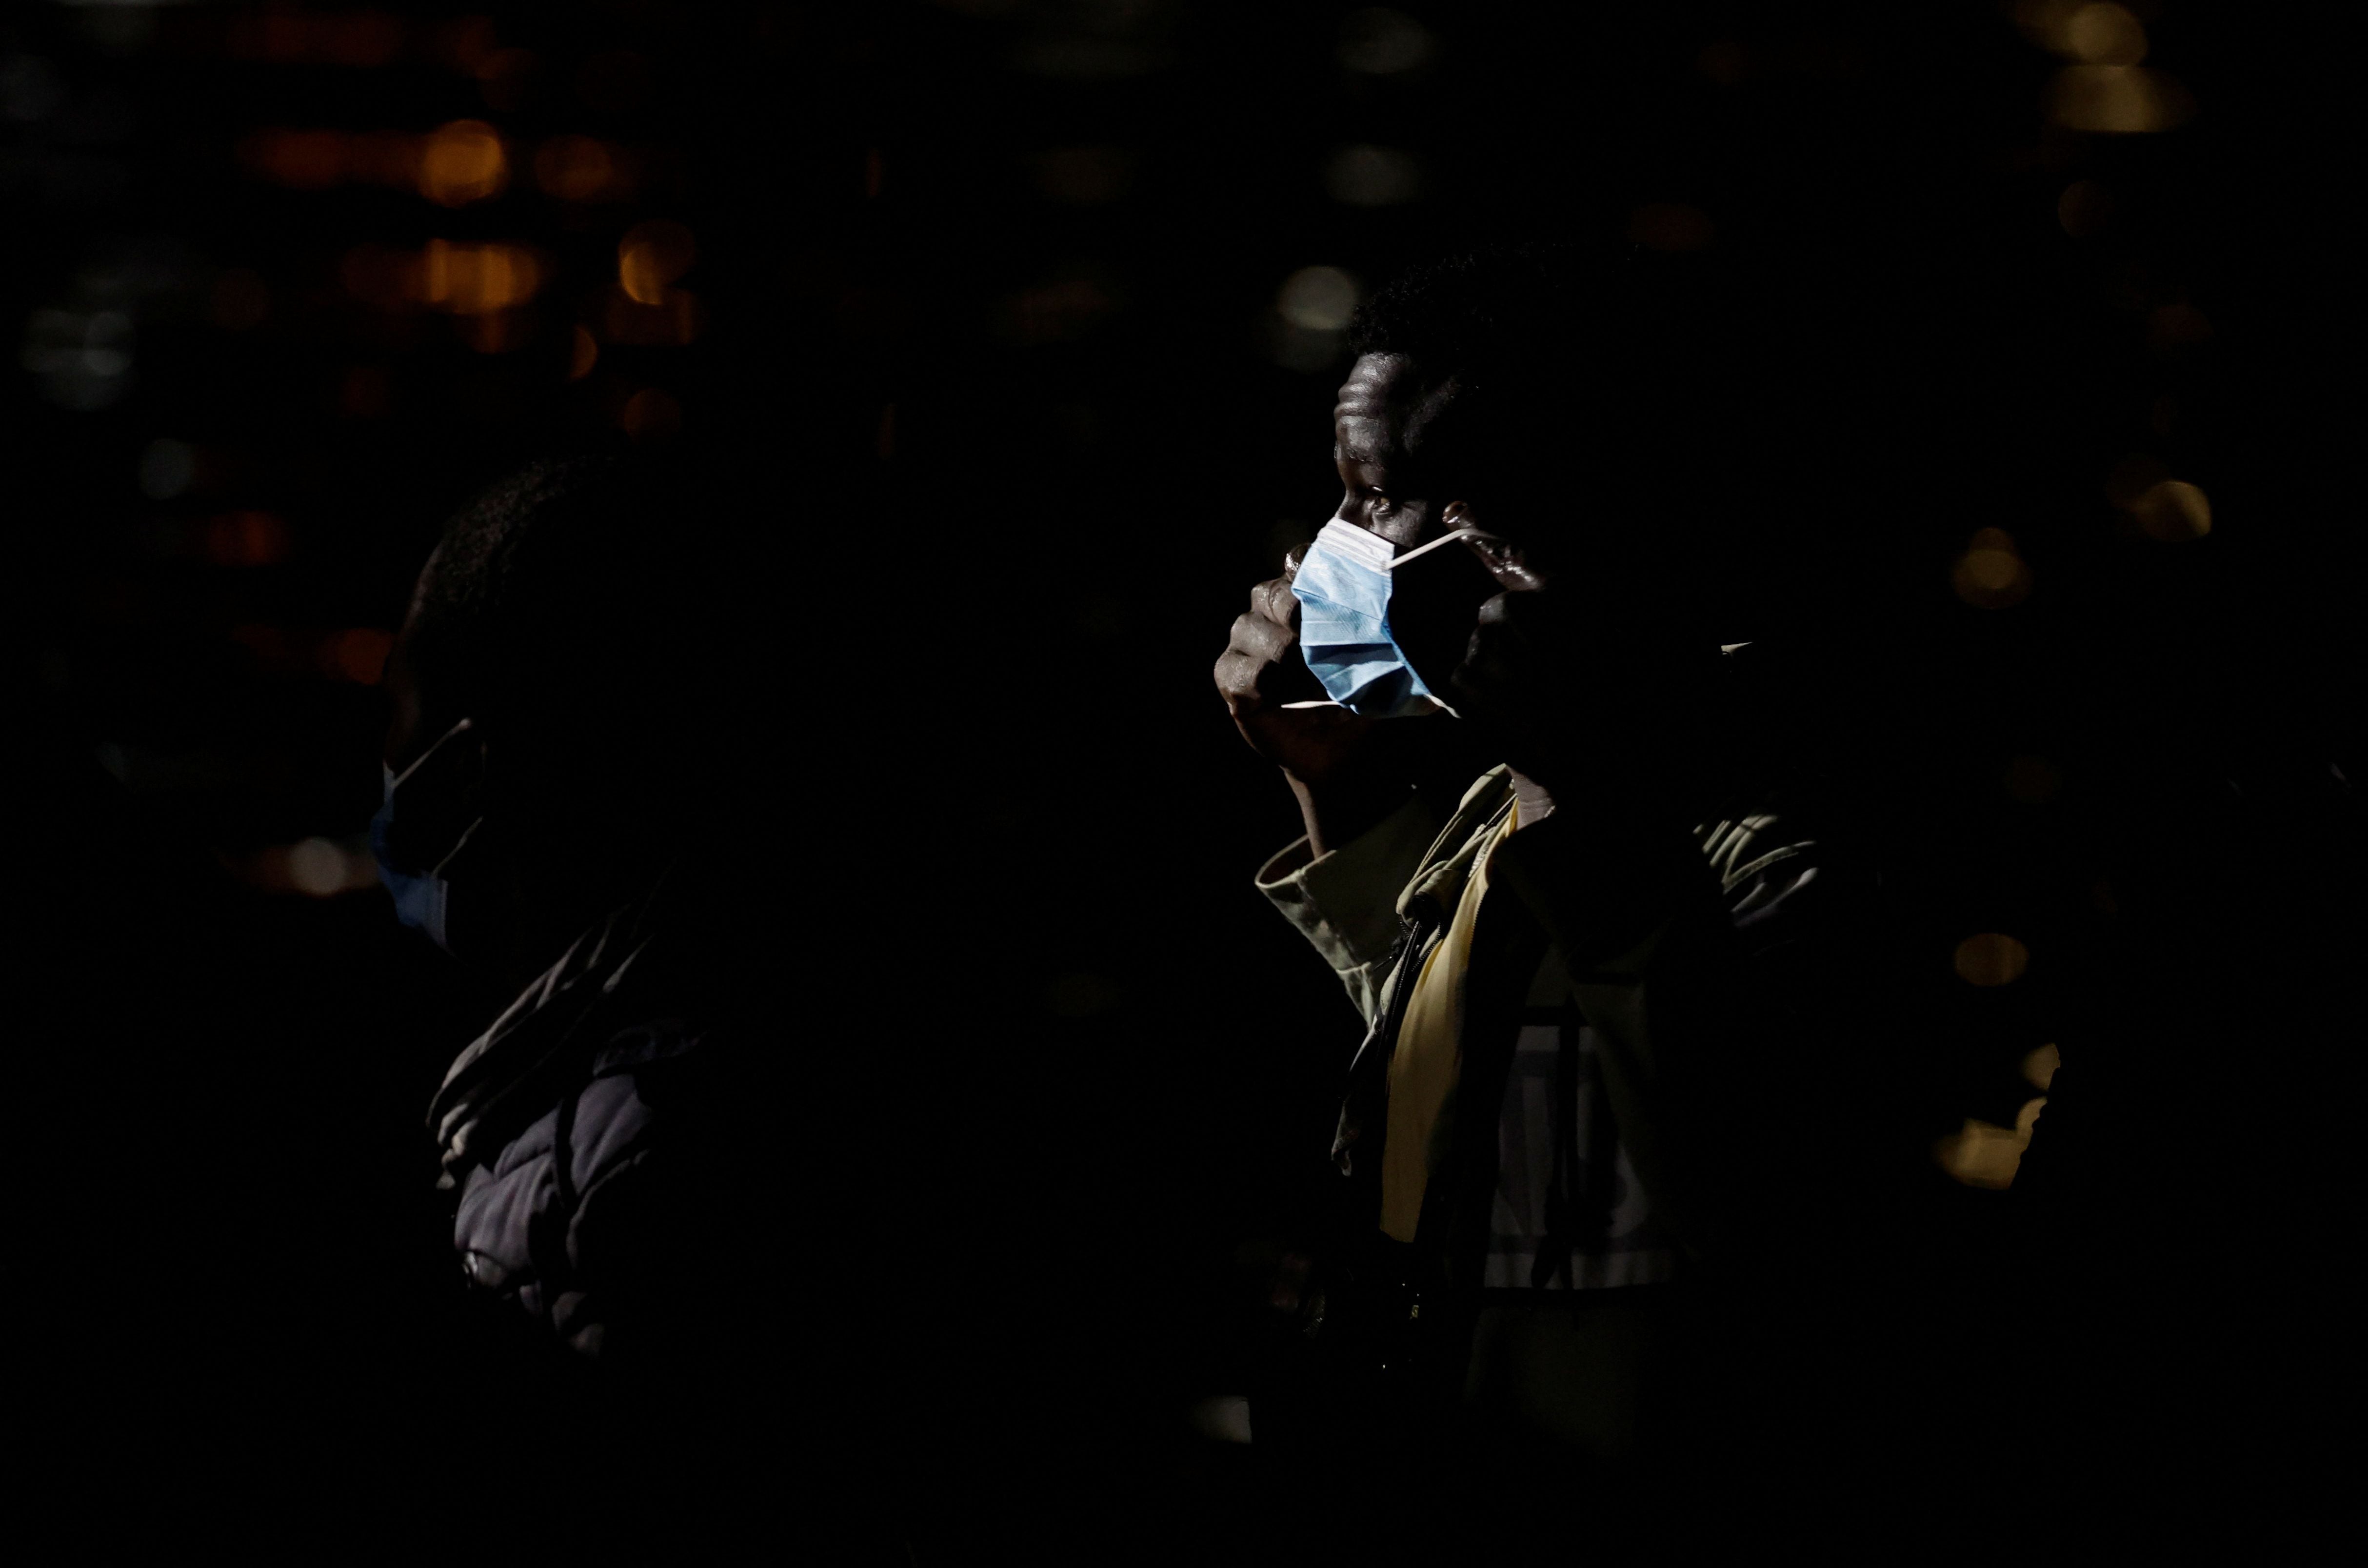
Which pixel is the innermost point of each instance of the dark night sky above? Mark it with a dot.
(1025, 270)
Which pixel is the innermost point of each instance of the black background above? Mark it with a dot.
(1014, 268)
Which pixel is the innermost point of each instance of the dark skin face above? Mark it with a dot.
(1409, 492)
(505, 924)
(1551, 666)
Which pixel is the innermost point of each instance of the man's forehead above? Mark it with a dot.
(1383, 400)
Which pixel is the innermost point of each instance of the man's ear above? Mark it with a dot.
(1503, 558)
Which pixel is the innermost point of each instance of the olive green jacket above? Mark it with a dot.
(1699, 958)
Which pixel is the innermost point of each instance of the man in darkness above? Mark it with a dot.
(1626, 1088)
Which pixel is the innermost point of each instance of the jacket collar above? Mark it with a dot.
(1440, 884)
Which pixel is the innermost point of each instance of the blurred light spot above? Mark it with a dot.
(582, 354)
(1991, 958)
(246, 538)
(2039, 1067)
(2033, 780)
(463, 161)
(581, 168)
(1084, 176)
(1991, 575)
(358, 655)
(1381, 42)
(82, 360)
(1670, 226)
(1372, 176)
(652, 255)
(166, 467)
(2103, 34)
(651, 414)
(316, 866)
(471, 279)
(2175, 326)
(2084, 208)
(1983, 1154)
(239, 300)
(1225, 1420)
(1081, 995)
(2117, 99)
(2173, 511)
(1320, 299)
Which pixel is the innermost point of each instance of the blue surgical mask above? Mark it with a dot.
(1343, 589)
(423, 898)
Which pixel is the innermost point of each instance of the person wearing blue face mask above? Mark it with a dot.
(1583, 982)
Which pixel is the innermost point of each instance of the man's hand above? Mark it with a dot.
(1336, 763)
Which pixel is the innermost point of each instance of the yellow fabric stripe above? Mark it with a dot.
(1429, 1056)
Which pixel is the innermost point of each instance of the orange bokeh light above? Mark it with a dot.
(463, 161)
(652, 255)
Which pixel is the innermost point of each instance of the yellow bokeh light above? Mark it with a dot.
(463, 161)
(1991, 575)
(652, 255)
(2173, 511)
(583, 354)
(1317, 299)
(2117, 99)
(1982, 1154)
(2039, 1068)
(472, 280)
(1991, 958)
(2103, 34)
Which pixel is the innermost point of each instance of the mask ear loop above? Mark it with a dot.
(1422, 549)
(396, 782)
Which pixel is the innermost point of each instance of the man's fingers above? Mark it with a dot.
(1256, 635)
(1274, 601)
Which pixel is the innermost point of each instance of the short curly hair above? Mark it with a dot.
(1562, 356)
(606, 610)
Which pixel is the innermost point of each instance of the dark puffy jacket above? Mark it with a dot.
(604, 1137)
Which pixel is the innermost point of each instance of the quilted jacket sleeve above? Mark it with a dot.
(623, 1217)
